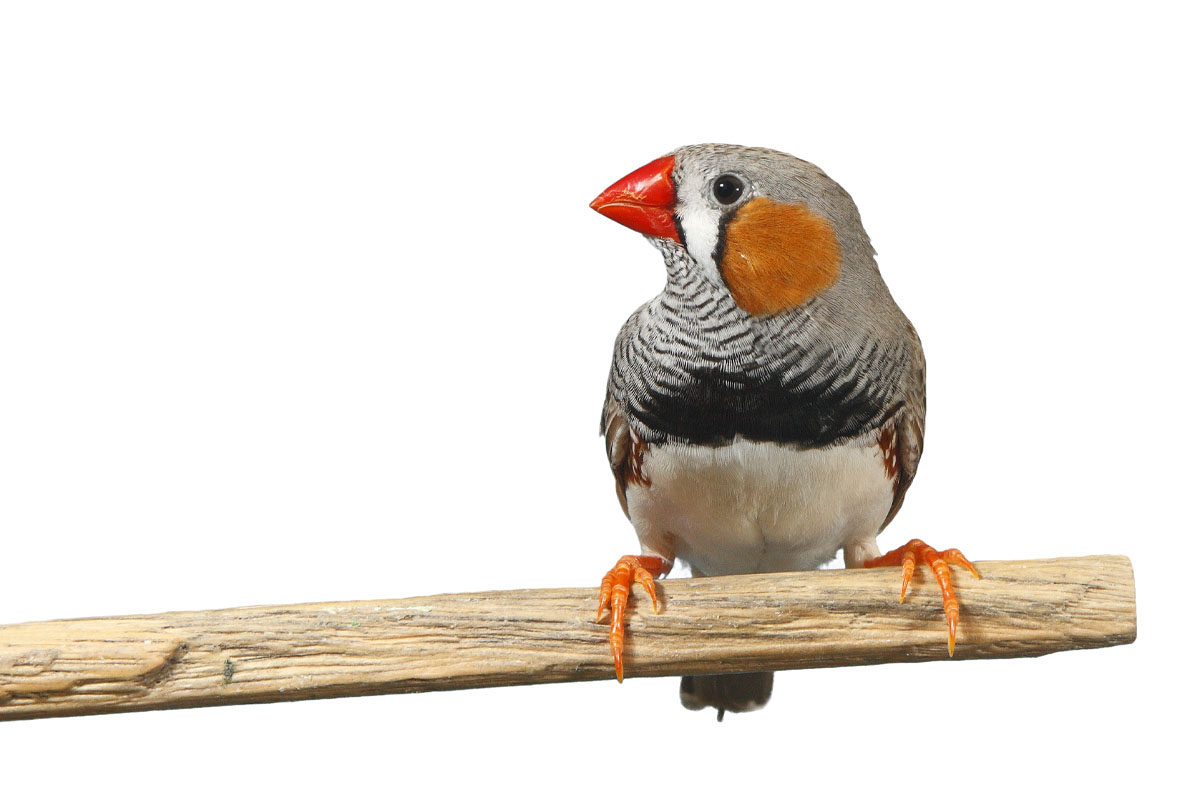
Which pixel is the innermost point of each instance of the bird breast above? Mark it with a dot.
(761, 507)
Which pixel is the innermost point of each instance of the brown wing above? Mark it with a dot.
(625, 450)
(903, 439)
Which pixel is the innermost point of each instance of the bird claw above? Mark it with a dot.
(614, 595)
(939, 562)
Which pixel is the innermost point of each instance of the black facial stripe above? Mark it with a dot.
(718, 254)
(679, 230)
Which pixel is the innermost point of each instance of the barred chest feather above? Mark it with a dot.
(763, 507)
(691, 366)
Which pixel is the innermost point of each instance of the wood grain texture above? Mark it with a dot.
(827, 618)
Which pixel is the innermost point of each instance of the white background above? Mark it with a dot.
(304, 302)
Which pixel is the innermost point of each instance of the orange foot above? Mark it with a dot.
(615, 587)
(939, 561)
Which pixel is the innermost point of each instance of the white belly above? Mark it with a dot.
(759, 507)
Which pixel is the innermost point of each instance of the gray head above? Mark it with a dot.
(774, 230)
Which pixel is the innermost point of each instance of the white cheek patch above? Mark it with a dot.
(699, 223)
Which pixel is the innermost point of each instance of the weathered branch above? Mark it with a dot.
(829, 618)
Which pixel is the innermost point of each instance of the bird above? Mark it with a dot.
(767, 409)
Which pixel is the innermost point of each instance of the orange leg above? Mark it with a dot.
(615, 588)
(939, 561)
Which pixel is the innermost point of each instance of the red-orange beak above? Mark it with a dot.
(643, 200)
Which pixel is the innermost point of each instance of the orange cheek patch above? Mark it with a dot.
(778, 256)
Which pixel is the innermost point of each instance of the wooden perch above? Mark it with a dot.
(830, 618)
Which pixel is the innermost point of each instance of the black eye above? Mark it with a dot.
(727, 189)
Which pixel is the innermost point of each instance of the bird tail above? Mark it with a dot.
(748, 691)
